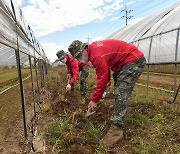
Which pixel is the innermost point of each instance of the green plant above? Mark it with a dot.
(59, 133)
(152, 125)
(92, 131)
(101, 104)
(101, 149)
(45, 107)
(145, 146)
(21, 141)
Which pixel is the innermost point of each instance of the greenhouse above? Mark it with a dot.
(158, 37)
(39, 115)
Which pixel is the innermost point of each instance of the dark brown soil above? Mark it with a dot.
(71, 105)
(11, 120)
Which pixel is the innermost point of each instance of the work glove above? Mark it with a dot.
(104, 95)
(107, 89)
(68, 87)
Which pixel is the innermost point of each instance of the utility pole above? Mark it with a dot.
(88, 39)
(126, 14)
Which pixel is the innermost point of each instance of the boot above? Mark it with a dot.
(113, 136)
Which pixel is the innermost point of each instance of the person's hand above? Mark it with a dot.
(68, 87)
(91, 106)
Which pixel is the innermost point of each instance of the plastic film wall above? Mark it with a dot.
(15, 33)
(23, 67)
(156, 35)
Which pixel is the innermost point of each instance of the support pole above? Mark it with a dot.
(148, 62)
(22, 91)
(175, 65)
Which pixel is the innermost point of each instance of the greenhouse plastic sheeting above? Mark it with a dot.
(8, 57)
(16, 34)
(162, 27)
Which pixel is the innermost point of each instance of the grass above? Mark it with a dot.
(92, 131)
(9, 77)
(152, 125)
(59, 133)
(45, 107)
(101, 149)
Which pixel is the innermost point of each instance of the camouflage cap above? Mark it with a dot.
(60, 54)
(76, 47)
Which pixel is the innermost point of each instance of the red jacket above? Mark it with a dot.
(73, 67)
(110, 54)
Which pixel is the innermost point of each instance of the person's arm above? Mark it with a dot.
(68, 71)
(102, 72)
(108, 84)
(75, 70)
(109, 76)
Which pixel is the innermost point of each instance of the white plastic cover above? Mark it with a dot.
(163, 27)
(13, 26)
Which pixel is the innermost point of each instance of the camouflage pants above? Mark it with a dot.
(124, 82)
(84, 74)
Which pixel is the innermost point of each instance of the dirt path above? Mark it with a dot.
(11, 121)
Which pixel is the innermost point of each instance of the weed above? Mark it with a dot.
(152, 125)
(65, 113)
(149, 126)
(101, 149)
(158, 118)
(21, 141)
(101, 105)
(145, 146)
(59, 133)
(93, 132)
(45, 107)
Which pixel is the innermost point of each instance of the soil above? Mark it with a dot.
(71, 105)
(166, 82)
(11, 121)
(75, 107)
(76, 111)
